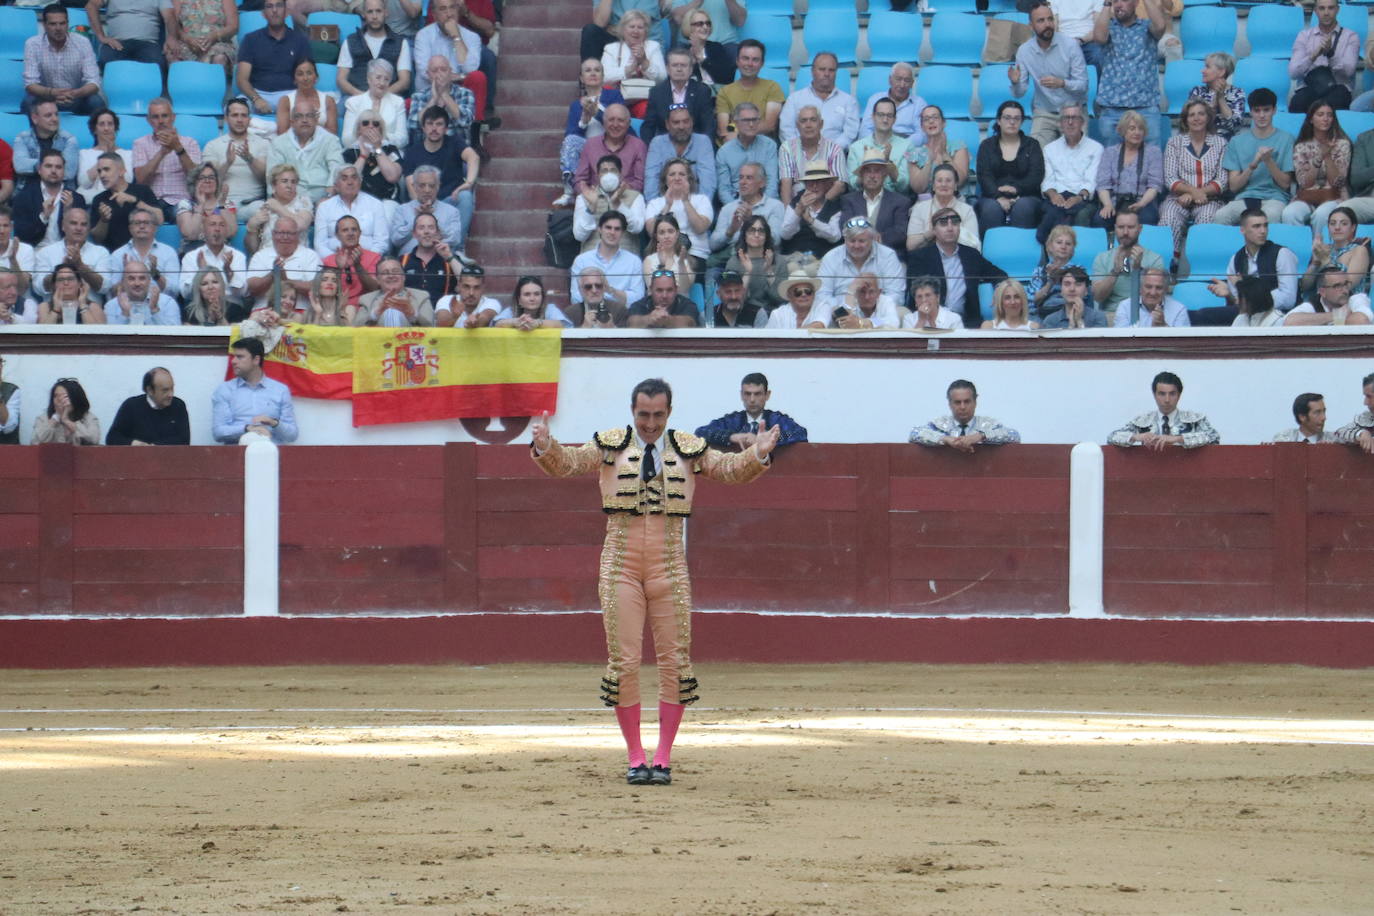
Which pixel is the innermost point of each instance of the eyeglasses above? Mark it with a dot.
(376, 123)
(746, 120)
(702, 23)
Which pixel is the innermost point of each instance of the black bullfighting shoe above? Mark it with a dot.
(638, 776)
(660, 776)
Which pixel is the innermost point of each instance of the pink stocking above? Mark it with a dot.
(628, 717)
(669, 718)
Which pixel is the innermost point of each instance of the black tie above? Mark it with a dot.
(963, 429)
(646, 468)
(1163, 425)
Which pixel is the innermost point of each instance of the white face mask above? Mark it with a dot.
(609, 182)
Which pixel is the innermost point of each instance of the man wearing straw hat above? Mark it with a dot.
(886, 211)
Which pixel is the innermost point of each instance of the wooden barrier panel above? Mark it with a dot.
(1244, 531)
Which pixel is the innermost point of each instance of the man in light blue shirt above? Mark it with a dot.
(1259, 164)
(1053, 65)
(680, 143)
(137, 301)
(747, 145)
(839, 110)
(250, 402)
(624, 271)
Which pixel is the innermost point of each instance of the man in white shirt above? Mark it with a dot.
(216, 252)
(287, 257)
(1271, 262)
(1309, 409)
(1070, 183)
(241, 158)
(92, 262)
(623, 271)
(349, 199)
(1332, 304)
(839, 111)
(314, 151)
(15, 308)
(860, 253)
(144, 248)
(138, 301)
(478, 309)
(1157, 308)
(864, 307)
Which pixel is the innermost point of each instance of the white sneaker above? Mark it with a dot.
(564, 201)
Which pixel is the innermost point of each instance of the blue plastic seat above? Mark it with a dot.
(780, 75)
(1159, 239)
(250, 21)
(1270, 73)
(968, 132)
(1290, 121)
(1195, 295)
(79, 127)
(16, 27)
(1209, 248)
(872, 81)
(894, 37)
(951, 88)
(1355, 123)
(11, 124)
(130, 85)
(1091, 242)
(1014, 250)
(196, 88)
(1355, 18)
(994, 88)
(11, 86)
(1270, 28)
(1297, 239)
(1205, 29)
(836, 31)
(348, 23)
(832, 6)
(1180, 76)
(198, 128)
(776, 34)
(169, 235)
(770, 8)
(957, 38)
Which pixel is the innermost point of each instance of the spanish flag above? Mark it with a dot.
(402, 375)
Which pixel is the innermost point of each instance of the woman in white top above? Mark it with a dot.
(380, 75)
(799, 294)
(285, 200)
(944, 185)
(307, 79)
(634, 56)
(68, 417)
(1009, 308)
(678, 188)
(1256, 305)
(104, 125)
(670, 253)
(530, 309)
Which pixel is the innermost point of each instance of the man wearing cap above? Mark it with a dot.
(800, 309)
(680, 143)
(732, 311)
(736, 431)
(812, 221)
(886, 211)
(861, 253)
(725, 237)
(959, 267)
(664, 307)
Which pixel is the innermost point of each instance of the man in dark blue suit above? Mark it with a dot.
(679, 89)
(959, 268)
(736, 431)
(38, 206)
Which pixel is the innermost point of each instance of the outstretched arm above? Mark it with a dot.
(560, 461)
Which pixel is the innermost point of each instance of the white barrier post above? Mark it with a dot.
(1086, 509)
(261, 522)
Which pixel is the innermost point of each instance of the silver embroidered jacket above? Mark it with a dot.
(1351, 431)
(1192, 426)
(1295, 435)
(994, 433)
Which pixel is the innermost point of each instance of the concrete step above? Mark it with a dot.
(535, 117)
(540, 41)
(537, 144)
(542, 91)
(543, 15)
(512, 223)
(516, 195)
(509, 169)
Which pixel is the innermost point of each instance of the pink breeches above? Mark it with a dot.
(644, 575)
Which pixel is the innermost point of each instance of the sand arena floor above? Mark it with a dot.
(798, 789)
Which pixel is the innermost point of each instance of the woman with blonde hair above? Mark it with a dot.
(1227, 102)
(635, 57)
(329, 304)
(205, 190)
(1130, 175)
(1009, 308)
(209, 302)
(284, 199)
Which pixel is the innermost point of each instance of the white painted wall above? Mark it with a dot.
(837, 399)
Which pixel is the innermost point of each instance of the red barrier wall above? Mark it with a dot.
(885, 528)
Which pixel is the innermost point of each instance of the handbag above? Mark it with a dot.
(1315, 197)
(635, 89)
